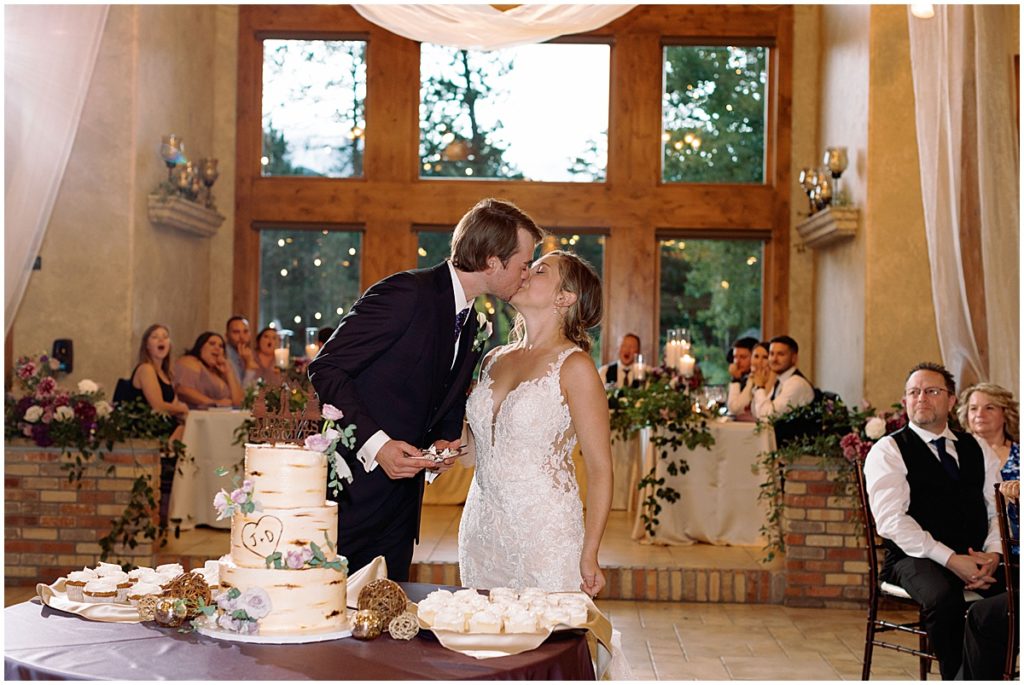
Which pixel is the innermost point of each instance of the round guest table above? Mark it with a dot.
(44, 644)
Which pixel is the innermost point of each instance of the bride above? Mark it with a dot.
(523, 523)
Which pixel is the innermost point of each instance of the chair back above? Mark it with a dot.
(873, 544)
(1011, 573)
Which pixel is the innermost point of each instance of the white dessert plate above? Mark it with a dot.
(273, 639)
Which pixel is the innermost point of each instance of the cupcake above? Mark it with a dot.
(519, 621)
(450, 619)
(100, 591)
(140, 590)
(104, 570)
(485, 622)
(136, 572)
(75, 583)
(123, 583)
(172, 570)
(150, 577)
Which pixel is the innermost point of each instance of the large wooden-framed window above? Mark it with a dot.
(633, 203)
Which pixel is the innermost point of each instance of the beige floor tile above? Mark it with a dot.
(758, 668)
(701, 668)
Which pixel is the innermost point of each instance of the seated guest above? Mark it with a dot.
(204, 377)
(323, 335)
(781, 385)
(152, 377)
(239, 349)
(930, 490)
(990, 413)
(621, 373)
(741, 391)
(267, 341)
(988, 622)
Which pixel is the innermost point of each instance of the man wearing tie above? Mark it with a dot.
(781, 385)
(622, 373)
(398, 366)
(930, 489)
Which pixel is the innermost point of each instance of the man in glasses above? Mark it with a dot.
(931, 492)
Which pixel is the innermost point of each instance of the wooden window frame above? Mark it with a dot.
(390, 199)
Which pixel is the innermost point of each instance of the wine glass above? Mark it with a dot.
(172, 150)
(209, 174)
(182, 177)
(809, 181)
(836, 161)
(823, 191)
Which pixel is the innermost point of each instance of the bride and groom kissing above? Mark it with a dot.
(399, 365)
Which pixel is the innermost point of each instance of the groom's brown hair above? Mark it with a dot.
(490, 229)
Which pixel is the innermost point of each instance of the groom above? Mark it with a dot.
(398, 366)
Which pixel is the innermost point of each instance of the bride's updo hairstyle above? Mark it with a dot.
(579, 278)
(490, 229)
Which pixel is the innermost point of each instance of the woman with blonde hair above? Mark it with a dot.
(523, 523)
(153, 380)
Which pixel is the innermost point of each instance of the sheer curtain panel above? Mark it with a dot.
(49, 54)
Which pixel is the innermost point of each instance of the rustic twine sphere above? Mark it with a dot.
(367, 624)
(147, 607)
(190, 587)
(404, 626)
(384, 596)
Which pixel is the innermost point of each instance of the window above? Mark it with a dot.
(435, 246)
(537, 112)
(713, 289)
(714, 114)
(314, 95)
(308, 278)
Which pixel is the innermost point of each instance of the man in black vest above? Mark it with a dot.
(623, 373)
(931, 493)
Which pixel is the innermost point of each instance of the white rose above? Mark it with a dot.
(103, 409)
(86, 386)
(64, 413)
(874, 428)
(33, 413)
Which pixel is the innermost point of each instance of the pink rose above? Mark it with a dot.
(317, 443)
(239, 497)
(332, 413)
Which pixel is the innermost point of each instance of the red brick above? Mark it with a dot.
(39, 546)
(41, 456)
(56, 521)
(77, 509)
(806, 474)
(96, 497)
(805, 578)
(805, 501)
(845, 553)
(22, 495)
(794, 539)
(11, 481)
(21, 520)
(825, 591)
(821, 488)
(824, 566)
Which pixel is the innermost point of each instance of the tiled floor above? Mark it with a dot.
(673, 640)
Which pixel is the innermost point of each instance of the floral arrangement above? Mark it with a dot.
(483, 332)
(667, 401)
(310, 556)
(235, 611)
(327, 440)
(238, 500)
(857, 443)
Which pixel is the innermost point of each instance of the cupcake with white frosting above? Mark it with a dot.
(75, 583)
(140, 590)
(100, 591)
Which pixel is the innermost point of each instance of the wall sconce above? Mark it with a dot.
(822, 185)
(192, 181)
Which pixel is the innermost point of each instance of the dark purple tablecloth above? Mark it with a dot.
(43, 644)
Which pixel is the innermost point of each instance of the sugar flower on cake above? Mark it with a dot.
(327, 441)
(240, 499)
(235, 611)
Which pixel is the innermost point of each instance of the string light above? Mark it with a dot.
(284, 272)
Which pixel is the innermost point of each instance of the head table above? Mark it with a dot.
(43, 643)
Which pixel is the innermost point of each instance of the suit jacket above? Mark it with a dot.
(388, 366)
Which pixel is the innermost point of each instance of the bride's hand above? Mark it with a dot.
(593, 578)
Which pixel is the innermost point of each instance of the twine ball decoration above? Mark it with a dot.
(367, 624)
(190, 587)
(385, 597)
(404, 626)
(147, 607)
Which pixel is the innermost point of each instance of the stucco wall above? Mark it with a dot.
(107, 272)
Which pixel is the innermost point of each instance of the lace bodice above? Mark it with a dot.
(523, 522)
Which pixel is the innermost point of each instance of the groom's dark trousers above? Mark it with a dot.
(388, 366)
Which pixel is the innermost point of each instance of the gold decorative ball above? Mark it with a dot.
(384, 596)
(367, 625)
(147, 607)
(170, 611)
(404, 626)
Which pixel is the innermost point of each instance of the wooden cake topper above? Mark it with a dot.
(284, 426)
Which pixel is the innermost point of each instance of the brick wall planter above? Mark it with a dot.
(826, 564)
(50, 526)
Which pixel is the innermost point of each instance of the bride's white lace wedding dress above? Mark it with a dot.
(522, 525)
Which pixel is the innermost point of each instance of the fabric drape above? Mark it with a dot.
(967, 142)
(483, 27)
(49, 55)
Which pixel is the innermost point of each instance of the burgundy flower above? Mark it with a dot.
(61, 400)
(41, 435)
(23, 404)
(27, 371)
(85, 412)
(46, 386)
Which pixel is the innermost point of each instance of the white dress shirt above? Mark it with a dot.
(367, 454)
(620, 373)
(790, 390)
(885, 474)
(739, 400)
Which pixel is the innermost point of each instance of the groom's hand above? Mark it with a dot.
(440, 446)
(400, 459)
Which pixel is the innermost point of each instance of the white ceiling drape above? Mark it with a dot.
(967, 142)
(49, 54)
(483, 27)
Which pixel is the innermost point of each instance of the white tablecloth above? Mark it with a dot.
(627, 456)
(208, 442)
(718, 501)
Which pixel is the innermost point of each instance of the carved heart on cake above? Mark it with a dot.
(261, 538)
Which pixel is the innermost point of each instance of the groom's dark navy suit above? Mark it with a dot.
(388, 367)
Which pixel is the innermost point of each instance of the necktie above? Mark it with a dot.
(948, 462)
(775, 390)
(625, 378)
(460, 321)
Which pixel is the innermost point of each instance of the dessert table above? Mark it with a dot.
(208, 442)
(43, 643)
(718, 501)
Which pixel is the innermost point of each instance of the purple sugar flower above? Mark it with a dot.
(239, 497)
(220, 501)
(317, 443)
(256, 602)
(332, 413)
(225, 622)
(246, 486)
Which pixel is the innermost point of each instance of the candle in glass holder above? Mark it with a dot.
(641, 371)
(686, 364)
(281, 357)
(311, 351)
